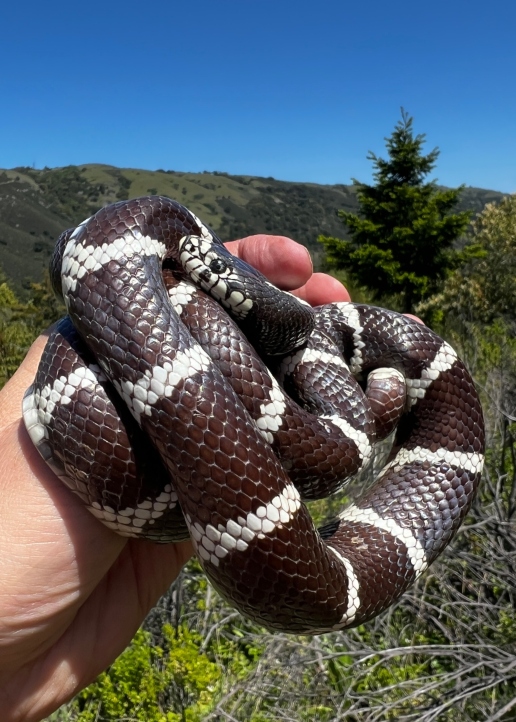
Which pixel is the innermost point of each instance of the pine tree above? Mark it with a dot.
(401, 245)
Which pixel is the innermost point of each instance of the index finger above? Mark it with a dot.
(286, 263)
(289, 266)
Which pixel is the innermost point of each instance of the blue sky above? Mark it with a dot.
(296, 90)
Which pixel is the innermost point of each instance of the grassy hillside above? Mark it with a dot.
(36, 205)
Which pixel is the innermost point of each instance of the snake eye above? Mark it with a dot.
(218, 265)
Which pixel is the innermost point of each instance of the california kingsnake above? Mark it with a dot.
(165, 358)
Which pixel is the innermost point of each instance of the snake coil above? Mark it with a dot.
(153, 406)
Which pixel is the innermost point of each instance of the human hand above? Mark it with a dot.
(73, 593)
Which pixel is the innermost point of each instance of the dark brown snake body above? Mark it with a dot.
(225, 455)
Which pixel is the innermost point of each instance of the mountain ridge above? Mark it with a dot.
(37, 205)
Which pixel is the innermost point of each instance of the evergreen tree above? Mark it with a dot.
(401, 243)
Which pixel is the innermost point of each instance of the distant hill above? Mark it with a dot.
(36, 205)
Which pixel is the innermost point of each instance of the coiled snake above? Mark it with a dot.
(226, 456)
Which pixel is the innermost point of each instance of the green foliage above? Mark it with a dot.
(401, 243)
(180, 680)
(152, 684)
(16, 334)
(492, 352)
(484, 289)
(67, 191)
(507, 626)
(20, 323)
(131, 686)
(43, 308)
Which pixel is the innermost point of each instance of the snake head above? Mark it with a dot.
(275, 321)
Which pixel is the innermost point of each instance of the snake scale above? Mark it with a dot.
(152, 404)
